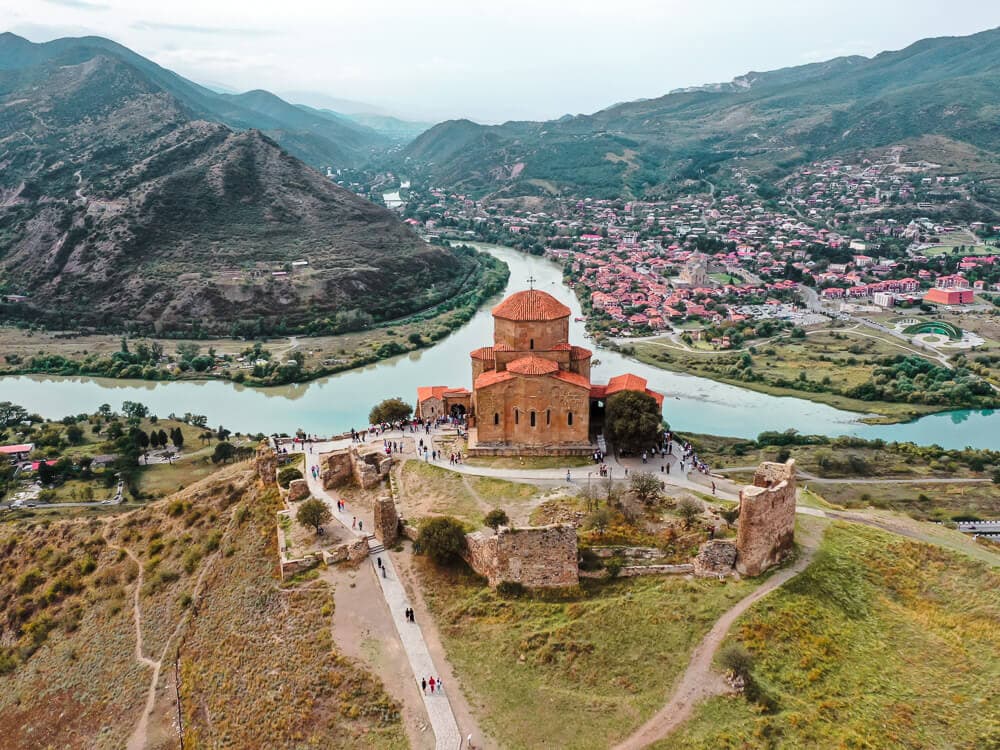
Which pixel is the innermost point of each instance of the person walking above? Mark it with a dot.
(431, 683)
(713, 488)
(354, 522)
(568, 479)
(423, 684)
(378, 561)
(360, 524)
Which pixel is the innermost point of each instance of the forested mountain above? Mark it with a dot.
(121, 205)
(946, 87)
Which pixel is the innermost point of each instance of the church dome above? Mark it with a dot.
(531, 305)
(532, 366)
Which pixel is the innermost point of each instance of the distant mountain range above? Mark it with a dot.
(940, 92)
(130, 196)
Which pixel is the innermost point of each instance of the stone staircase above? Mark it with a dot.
(375, 547)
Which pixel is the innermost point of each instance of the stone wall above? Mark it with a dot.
(266, 464)
(353, 552)
(536, 557)
(363, 465)
(631, 571)
(386, 521)
(767, 518)
(298, 489)
(716, 557)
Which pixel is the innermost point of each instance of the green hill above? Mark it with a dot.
(122, 206)
(946, 88)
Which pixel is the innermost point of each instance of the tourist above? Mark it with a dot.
(378, 561)
(568, 479)
(360, 524)
(468, 742)
(431, 683)
(383, 572)
(423, 684)
(713, 488)
(354, 522)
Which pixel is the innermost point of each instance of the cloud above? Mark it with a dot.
(80, 4)
(192, 28)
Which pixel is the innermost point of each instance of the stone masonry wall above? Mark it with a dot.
(266, 464)
(537, 557)
(715, 557)
(386, 521)
(365, 466)
(298, 489)
(767, 518)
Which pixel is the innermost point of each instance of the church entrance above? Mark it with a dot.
(458, 411)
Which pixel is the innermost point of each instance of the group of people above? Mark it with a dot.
(430, 682)
(455, 458)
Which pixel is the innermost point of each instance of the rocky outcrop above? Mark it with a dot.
(298, 489)
(266, 465)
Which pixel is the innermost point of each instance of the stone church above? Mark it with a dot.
(531, 390)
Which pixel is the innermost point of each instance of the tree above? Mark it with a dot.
(599, 520)
(633, 421)
(162, 438)
(689, 509)
(313, 512)
(496, 518)
(12, 415)
(177, 438)
(141, 439)
(74, 434)
(46, 473)
(736, 659)
(442, 539)
(223, 452)
(644, 486)
(154, 439)
(133, 410)
(390, 410)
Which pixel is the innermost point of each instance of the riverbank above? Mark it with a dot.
(268, 361)
(828, 366)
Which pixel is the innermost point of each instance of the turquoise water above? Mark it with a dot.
(341, 401)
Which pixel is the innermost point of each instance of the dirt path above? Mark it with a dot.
(700, 680)
(456, 692)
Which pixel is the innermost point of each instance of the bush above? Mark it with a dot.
(614, 568)
(689, 509)
(442, 539)
(736, 659)
(286, 475)
(496, 518)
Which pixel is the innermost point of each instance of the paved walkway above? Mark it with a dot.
(442, 718)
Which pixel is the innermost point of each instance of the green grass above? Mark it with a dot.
(529, 462)
(881, 642)
(577, 669)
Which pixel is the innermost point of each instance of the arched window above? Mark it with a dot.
(548, 417)
(517, 417)
(496, 418)
(531, 344)
(569, 418)
(532, 419)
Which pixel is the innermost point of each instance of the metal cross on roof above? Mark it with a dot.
(531, 282)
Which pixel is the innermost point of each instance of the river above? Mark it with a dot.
(338, 402)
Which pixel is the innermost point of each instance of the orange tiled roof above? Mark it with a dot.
(425, 392)
(484, 353)
(561, 348)
(491, 377)
(573, 378)
(531, 304)
(580, 352)
(627, 382)
(532, 365)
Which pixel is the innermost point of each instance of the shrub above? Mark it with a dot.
(442, 539)
(688, 509)
(286, 475)
(496, 518)
(736, 659)
(614, 568)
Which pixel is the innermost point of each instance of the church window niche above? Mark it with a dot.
(496, 418)
(548, 417)
(532, 419)
(517, 417)
(569, 418)
(531, 344)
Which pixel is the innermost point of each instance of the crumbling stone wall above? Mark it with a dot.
(715, 557)
(353, 552)
(386, 521)
(298, 489)
(767, 518)
(266, 464)
(536, 557)
(366, 466)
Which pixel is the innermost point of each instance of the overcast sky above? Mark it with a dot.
(492, 61)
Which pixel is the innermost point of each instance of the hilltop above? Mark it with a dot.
(944, 87)
(121, 205)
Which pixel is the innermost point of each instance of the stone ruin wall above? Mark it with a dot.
(537, 557)
(266, 465)
(366, 469)
(298, 489)
(386, 521)
(767, 518)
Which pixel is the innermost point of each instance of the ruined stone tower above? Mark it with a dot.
(767, 518)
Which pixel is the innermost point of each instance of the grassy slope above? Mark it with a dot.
(578, 669)
(70, 677)
(882, 642)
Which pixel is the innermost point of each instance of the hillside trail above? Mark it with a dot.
(139, 739)
(700, 681)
